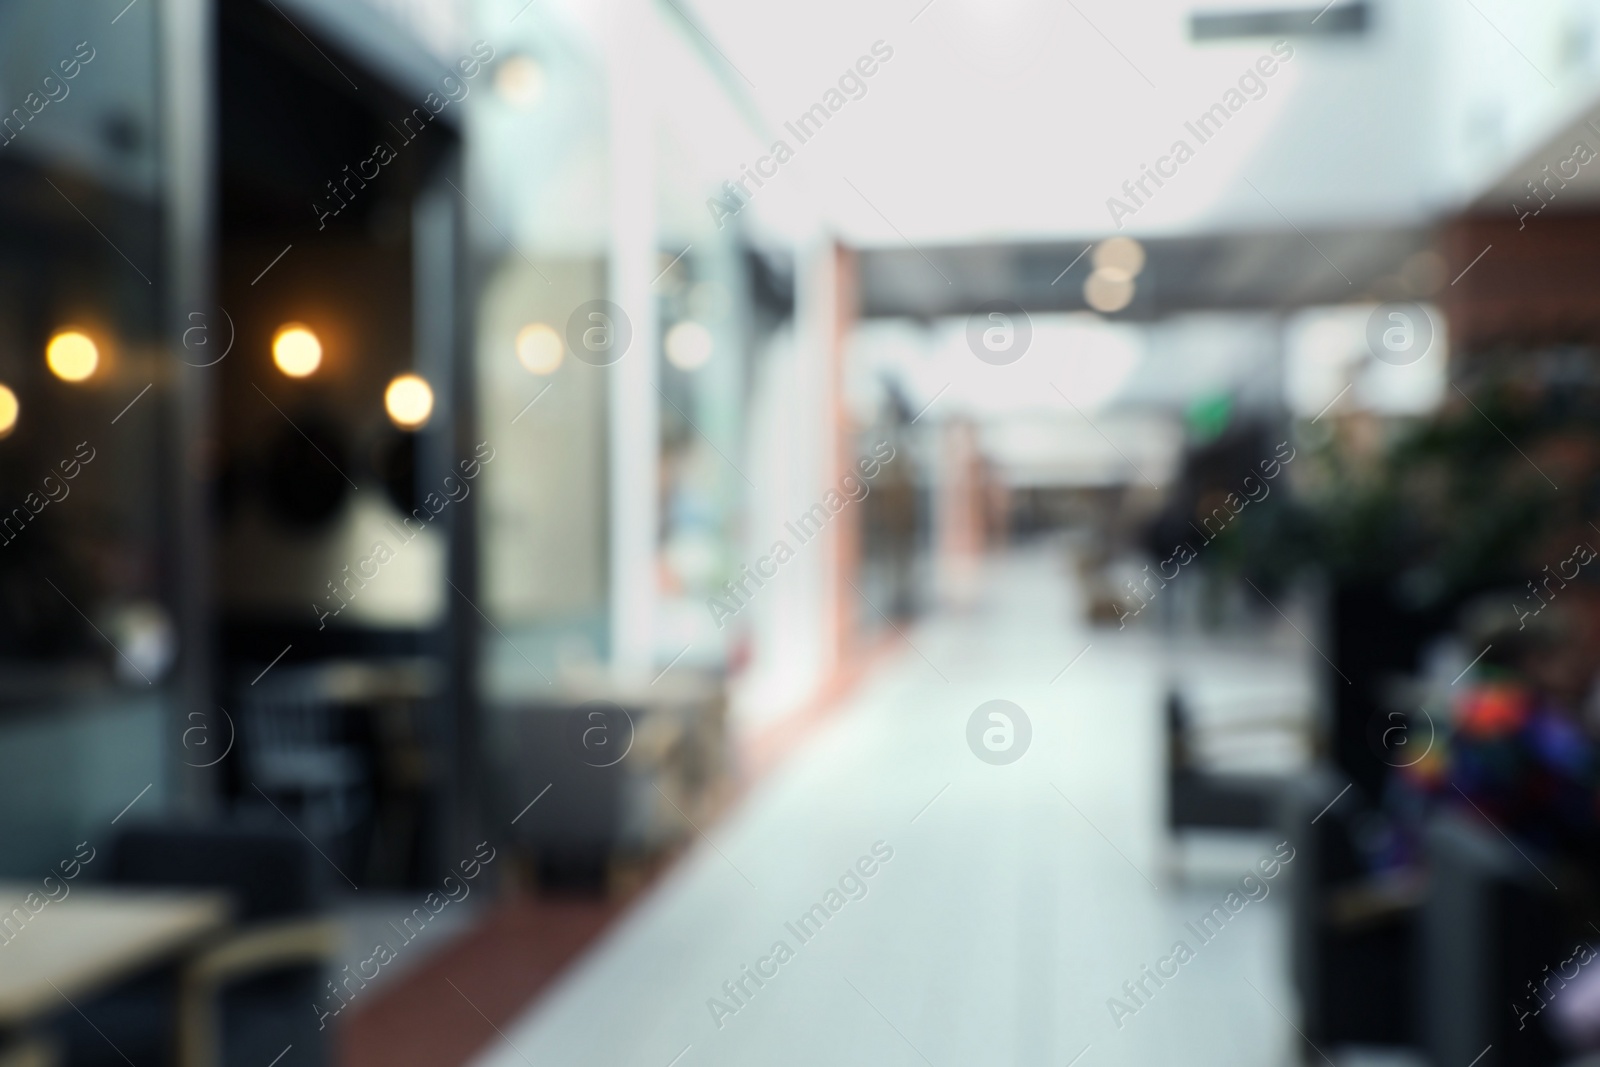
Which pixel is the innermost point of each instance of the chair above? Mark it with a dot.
(1200, 798)
(294, 751)
(343, 747)
(243, 998)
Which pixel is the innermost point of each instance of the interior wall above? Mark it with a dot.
(70, 770)
(1533, 284)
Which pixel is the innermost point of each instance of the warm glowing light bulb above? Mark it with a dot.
(409, 401)
(539, 348)
(1108, 289)
(1120, 253)
(688, 345)
(71, 356)
(296, 350)
(8, 411)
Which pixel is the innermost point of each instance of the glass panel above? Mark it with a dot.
(85, 573)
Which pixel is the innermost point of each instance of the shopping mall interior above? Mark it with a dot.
(678, 533)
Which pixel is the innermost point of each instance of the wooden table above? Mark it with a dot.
(89, 941)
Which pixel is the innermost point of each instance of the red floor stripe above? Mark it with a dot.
(501, 967)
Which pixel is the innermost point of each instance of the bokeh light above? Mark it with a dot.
(539, 348)
(1120, 253)
(72, 356)
(688, 345)
(1108, 289)
(409, 401)
(296, 350)
(8, 410)
(520, 82)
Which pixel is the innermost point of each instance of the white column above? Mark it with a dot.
(634, 418)
(792, 459)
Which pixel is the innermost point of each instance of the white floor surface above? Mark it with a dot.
(1019, 898)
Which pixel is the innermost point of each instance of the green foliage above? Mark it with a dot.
(1446, 506)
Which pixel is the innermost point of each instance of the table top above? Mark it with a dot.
(89, 940)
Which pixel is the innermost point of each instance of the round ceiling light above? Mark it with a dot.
(1120, 253)
(688, 345)
(409, 401)
(1108, 290)
(72, 356)
(296, 350)
(539, 348)
(8, 410)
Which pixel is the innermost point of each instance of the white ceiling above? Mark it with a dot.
(1015, 120)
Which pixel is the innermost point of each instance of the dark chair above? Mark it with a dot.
(240, 1000)
(1198, 798)
(300, 748)
(572, 833)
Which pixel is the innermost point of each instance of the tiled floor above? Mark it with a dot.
(1017, 901)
